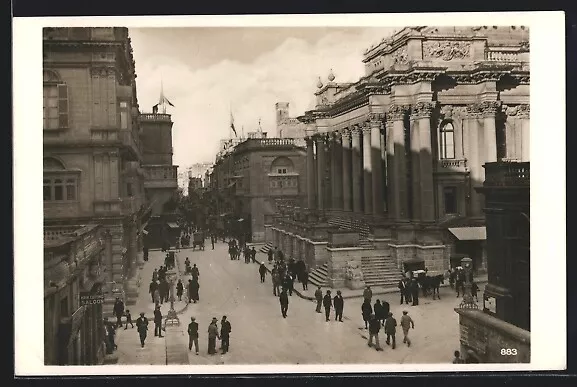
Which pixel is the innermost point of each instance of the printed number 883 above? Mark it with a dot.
(508, 351)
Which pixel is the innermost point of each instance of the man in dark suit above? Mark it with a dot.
(403, 289)
(225, 330)
(327, 303)
(158, 322)
(339, 305)
(284, 303)
(193, 334)
(142, 328)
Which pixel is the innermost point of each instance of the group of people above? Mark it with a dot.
(159, 288)
(213, 334)
(457, 281)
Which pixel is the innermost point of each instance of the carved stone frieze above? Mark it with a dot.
(376, 116)
(345, 134)
(474, 110)
(490, 108)
(446, 50)
(521, 111)
(452, 111)
(486, 76)
(400, 56)
(523, 79)
(397, 112)
(102, 71)
(410, 78)
(422, 109)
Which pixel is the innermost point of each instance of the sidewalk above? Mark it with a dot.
(309, 294)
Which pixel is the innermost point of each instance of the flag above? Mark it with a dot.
(232, 124)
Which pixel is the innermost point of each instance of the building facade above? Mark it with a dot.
(194, 184)
(395, 157)
(286, 126)
(255, 176)
(92, 151)
(161, 179)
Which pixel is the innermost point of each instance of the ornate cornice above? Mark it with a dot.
(397, 112)
(411, 77)
(102, 71)
(490, 108)
(446, 50)
(521, 111)
(422, 109)
(523, 79)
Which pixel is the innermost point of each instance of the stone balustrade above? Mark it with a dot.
(154, 117)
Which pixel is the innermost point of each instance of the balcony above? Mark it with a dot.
(452, 166)
(130, 143)
(507, 174)
(153, 117)
(259, 143)
(161, 176)
(107, 207)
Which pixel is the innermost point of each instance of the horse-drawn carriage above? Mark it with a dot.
(430, 281)
(198, 240)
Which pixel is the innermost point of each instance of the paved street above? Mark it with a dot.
(261, 336)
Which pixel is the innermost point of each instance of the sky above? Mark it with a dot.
(209, 72)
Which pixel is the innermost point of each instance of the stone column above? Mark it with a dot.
(396, 163)
(377, 163)
(357, 168)
(346, 168)
(415, 151)
(489, 112)
(523, 114)
(423, 116)
(336, 172)
(367, 170)
(311, 184)
(475, 159)
(383, 163)
(109, 263)
(321, 165)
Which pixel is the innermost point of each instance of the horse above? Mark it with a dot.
(434, 283)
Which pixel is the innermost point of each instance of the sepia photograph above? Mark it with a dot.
(295, 195)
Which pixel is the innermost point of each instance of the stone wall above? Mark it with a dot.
(491, 340)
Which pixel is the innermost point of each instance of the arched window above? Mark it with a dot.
(447, 141)
(282, 165)
(55, 107)
(59, 184)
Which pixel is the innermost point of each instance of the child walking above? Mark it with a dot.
(128, 320)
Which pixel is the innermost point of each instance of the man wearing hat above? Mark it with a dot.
(391, 330)
(142, 328)
(225, 330)
(212, 336)
(339, 304)
(406, 323)
(193, 334)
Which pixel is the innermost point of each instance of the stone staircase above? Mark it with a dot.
(319, 276)
(266, 247)
(380, 271)
(353, 224)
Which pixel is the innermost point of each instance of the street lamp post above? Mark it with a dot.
(467, 303)
(172, 315)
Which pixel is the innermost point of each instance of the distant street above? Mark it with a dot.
(261, 336)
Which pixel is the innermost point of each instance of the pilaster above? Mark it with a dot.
(422, 115)
(376, 124)
(337, 171)
(396, 161)
(321, 167)
(311, 183)
(367, 170)
(346, 168)
(356, 168)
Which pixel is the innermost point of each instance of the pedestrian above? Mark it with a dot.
(195, 272)
(374, 328)
(319, 298)
(194, 287)
(415, 291)
(403, 289)
(458, 359)
(366, 310)
(111, 333)
(158, 322)
(288, 283)
(253, 254)
(262, 272)
(118, 311)
(407, 323)
(142, 328)
(474, 290)
(305, 279)
(270, 254)
(378, 310)
(391, 330)
(155, 275)
(151, 288)
(327, 303)
(128, 319)
(385, 309)
(368, 294)
(212, 239)
(225, 330)
(212, 336)
(276, 281)
(284, 303)
(179, 289)
(193, 335)
(460, 281)
(156, 298)
(339, 305)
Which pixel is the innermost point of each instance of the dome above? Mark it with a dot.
(331, 76)
(320, 83)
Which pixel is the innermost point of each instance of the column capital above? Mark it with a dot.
(336, 135)
(397, 112)
(521, 111)
(356, 130)
(345, 133)
(366, 129)
(452, 111)
(489, 108)
(376, 117)
(422, 109)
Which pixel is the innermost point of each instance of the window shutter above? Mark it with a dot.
(62, 106)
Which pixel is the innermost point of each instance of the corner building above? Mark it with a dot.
(92, 151)
(393, 159)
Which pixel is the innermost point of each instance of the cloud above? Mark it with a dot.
(203, 96)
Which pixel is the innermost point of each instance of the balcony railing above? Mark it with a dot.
(266, 143)
(507, 174)
(154, 117)
(502, 56)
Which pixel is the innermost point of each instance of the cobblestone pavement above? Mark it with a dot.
(261, 336)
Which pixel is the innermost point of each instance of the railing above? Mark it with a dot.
(160, 172)
(453, 163)
(55, 232)
(265, 142)
(154, 117)
(502, 56)
(505, 174)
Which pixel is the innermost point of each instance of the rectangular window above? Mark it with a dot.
(450, 199)
(62, 106)
(58, 190)
(123, 120)
(70, 189)
(50, 107)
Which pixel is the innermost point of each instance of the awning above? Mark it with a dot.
(469, 233)
(173, 225)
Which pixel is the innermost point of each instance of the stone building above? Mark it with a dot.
(194, 184)
(92, 152)
(394, 158)
(254, 176)
(286, 126)
(74, 260)
(161, 178)
(504, 320)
